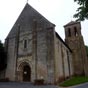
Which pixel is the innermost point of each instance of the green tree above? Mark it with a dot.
(82, 11)
(2, 57)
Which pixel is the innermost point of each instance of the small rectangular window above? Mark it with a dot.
(25, 43)
(75, 30)
(69, 32)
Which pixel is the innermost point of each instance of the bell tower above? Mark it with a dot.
(74, 40)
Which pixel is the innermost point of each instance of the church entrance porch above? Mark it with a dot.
(26, 73)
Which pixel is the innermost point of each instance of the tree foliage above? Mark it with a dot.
(2, 57)
(82, 11)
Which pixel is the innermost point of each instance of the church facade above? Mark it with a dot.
(35, 51)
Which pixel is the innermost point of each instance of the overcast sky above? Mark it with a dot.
(59, 12)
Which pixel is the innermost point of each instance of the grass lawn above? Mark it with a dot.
(74, 81)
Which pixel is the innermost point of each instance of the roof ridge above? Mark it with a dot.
(71, 23)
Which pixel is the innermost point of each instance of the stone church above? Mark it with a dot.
(35, 50)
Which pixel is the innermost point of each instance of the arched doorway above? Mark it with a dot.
(26, 73)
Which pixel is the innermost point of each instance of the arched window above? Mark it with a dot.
(69, 32)
(75, 31)
(25, 44)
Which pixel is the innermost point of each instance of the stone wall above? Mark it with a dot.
(75, 41)
(41, 54)
(63, 61)
(50, 55)
(11, 59)
(2, 74)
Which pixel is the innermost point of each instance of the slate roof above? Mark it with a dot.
(71, 23)
(25, 21)
(57, 35)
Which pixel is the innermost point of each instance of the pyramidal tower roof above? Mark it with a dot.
(71, 23)
(25, 20)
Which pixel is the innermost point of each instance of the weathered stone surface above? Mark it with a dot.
(33, 42)
(75, 41)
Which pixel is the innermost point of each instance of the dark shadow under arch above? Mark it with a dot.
(26, 73)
